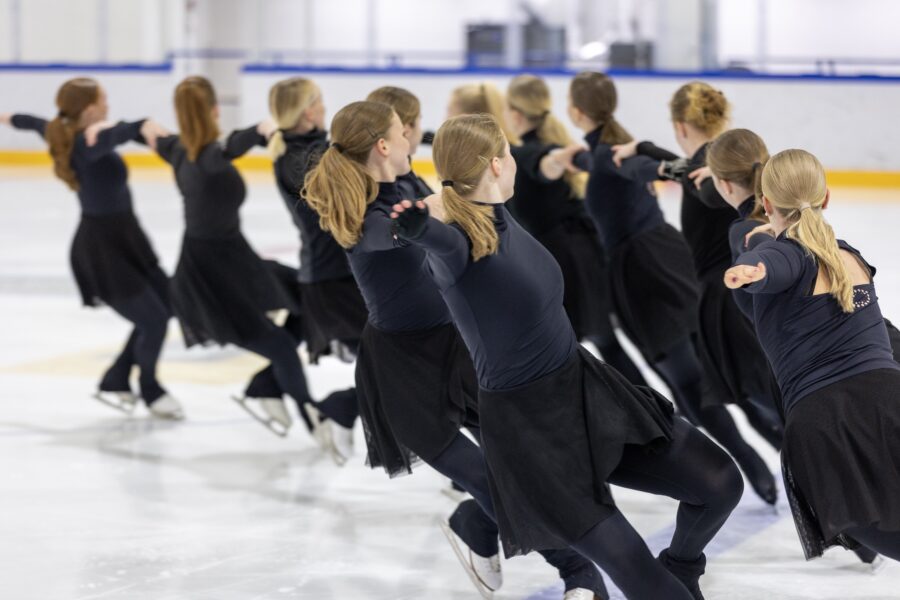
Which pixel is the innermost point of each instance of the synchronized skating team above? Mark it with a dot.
(466, 308)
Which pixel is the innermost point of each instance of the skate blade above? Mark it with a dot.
(877, 565)
(269, 423)
(124, 406)
(178, 416)
(486, 592)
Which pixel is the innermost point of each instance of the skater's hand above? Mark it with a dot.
(5, 118)
(741, 275)
(93, 131)
(698, 175)
(623, 151)
(267, 128)
(152, 131)
(765, 228)
(410, 219)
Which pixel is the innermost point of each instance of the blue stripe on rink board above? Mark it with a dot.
(750, 518)
(262, 68)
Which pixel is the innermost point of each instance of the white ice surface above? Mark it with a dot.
(97, 506)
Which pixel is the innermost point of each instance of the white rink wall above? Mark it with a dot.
(850, 123)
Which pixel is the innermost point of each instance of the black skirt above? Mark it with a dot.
(222, 291)
(551, 444)
(332, 311)
(415, 390)
(654, 289)
(582, 259)
(732, 358)
(841, 459)
(112, 259)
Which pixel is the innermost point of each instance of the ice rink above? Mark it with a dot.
(94, 505)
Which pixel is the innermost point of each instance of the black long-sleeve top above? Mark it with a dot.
(508, 306)
(621, 200)
(391, 273)
(737, 234)
(102, 174)
(213, 189)
(413, 187)
(809, 340)
(539, 204)
(321, 257)
(705, 215)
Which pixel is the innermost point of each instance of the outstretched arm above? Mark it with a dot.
(242, 140)
(772, 267)
(101, 139)
(27, 122)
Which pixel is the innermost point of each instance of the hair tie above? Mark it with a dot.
(447, 183)
(337, 147)
(62, 116)
(804, 206)
(756, 165)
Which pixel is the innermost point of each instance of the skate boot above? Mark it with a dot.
(688, 572)
(166, 407)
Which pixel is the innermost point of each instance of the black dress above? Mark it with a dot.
(732, 358)
(548, 211)
(415, 381)
(332, 309)
(554, 419)
(841, 388)
(221, 290)
(655, 290)
(111, 257)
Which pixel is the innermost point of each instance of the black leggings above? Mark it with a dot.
(149, 312)
(693, 470)
(341, 406)
(614, 355)
(474, 521)
(886, 543)
(280, 348)
(681, 371)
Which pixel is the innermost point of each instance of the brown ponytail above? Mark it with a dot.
(483, 98)
(595, 95)
(339, 188)
(739, 156)
(463, 149)
(195, 99)
(702, 106)
(72, 99)
(794, 182)
(530, 96)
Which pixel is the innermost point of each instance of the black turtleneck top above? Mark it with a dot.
(508, 306)
(391, 273)
(321, 257)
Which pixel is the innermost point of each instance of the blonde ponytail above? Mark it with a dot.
(483, 98)
(530, 96)
(794, 182)
(339, 188)
(463, 149)
(289, 99)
